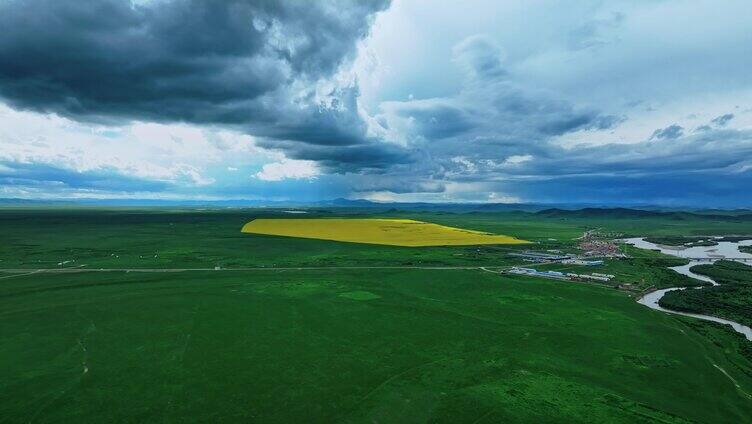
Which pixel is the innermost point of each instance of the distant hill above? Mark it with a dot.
(542, 210)
(333, 203)
(602, 213)
(627, 213)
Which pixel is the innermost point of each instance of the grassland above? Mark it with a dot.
(201, 239)
(391, 232)
(384, 346)
(338, 344)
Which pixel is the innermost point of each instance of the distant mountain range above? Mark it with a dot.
(622, 213)
(547, 210)
(349, 203)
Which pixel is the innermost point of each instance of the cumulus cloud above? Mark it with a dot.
(480, 57)
(497, 136)
(692, 169)
(669, 133)
(595, 33)
(518, 159)
(287, 169)
(722, 120)
(492, 122)
(702, 128)
(490, 106)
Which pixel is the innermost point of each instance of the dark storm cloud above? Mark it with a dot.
(575, 121)
(669, 133)
(511, 149)
(371, 156)
(717, 150)
(689, 169)
(435, 120)
(272, 69)
(252, 64)
(167, 59)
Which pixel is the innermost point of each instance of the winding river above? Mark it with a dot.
(724, 249)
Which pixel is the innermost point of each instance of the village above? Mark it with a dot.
(595, 249)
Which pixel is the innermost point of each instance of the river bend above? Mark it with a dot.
(722, 250)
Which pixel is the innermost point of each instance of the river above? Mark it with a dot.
(722, 250)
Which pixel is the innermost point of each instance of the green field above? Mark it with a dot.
(337, 344)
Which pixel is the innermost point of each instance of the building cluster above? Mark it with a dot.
(561, 275)
(535, 273)
(541, 256)
(592, 262)
(604, 248)
(555, 256)
(594, 276)
(594, 245)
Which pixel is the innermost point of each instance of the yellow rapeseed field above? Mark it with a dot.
(395, 232)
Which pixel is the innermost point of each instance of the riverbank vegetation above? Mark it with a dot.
(732, 299)
(694, 241)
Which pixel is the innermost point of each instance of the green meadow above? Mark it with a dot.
(150, 338)
(386, 346)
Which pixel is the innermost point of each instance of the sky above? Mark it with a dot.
(609, 102)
